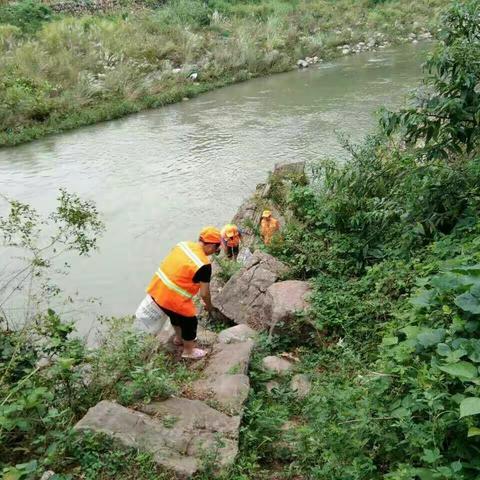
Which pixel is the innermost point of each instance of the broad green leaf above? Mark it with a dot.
(469, 301)
(411, 331)
(28, 467)
(66, 363)
(468, 270)
(425, 473)
(431, 456)
(470, 406)
(443, 349)
(12, 474)
(456, 466)
(386, 341)
(462, 370)
(447, 281)
(401, 412)
(473, 432)
(424, 299)
(430, 337)
(473, 349)
(455, 355)
(418, 228)
(457, 398)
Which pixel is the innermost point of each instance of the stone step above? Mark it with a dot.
(181, 432)
(224, 383)
(178, 432)
(228, 358)
(226, 392)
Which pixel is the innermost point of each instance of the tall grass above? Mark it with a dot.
(76, 70)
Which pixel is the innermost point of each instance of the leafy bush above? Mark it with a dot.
(446, 114)
(8, 36)
(29, 15)
(228, 268)
(391, 242)
(185, 12)
(48, 376)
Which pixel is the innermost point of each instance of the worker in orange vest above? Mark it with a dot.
(231, 237)
(268, 226)
(183, 273)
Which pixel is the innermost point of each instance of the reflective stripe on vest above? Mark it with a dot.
(190, 254)
(172, 285)
(169, 284)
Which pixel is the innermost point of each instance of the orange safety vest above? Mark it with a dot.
(172, 286)
(230, 241)
(268, 227)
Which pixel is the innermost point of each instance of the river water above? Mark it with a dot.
(158, 176)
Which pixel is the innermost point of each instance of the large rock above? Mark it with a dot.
(282, 301)
(277, 365)
(285, 169)
(237, 334)
(242, 298)
(177, 436)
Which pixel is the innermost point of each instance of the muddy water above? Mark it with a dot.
(157, 177)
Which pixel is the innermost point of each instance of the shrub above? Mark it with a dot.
(28, 15)
(445, 116)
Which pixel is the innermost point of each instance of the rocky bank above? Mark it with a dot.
(183, 433)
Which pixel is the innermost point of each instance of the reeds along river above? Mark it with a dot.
(159, 176)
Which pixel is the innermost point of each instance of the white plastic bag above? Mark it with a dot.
(149, 317)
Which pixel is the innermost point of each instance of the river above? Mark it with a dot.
(158, 176)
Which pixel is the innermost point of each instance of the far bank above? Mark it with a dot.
(66, 71)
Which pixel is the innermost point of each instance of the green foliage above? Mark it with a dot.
(48, 380)
(48, 376)
(185, 12)
(29, 15)
(382, 204)
(98, 457)
(227, 269)
(391, 242)
(445, 116)
(74, 226)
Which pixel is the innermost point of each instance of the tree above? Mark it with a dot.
(445, 116)
(37, 242)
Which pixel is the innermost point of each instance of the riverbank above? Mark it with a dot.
(378, 378)
(71, 71)
(388, 242)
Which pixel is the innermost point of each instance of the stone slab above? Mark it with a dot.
(236, 334)
(227, 392)
(228, 358)
(177, 432)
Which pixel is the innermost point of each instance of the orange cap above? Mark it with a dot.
(231, 230)
(210, 235)
(266, 214)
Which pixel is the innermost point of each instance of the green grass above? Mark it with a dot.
(59, 72)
